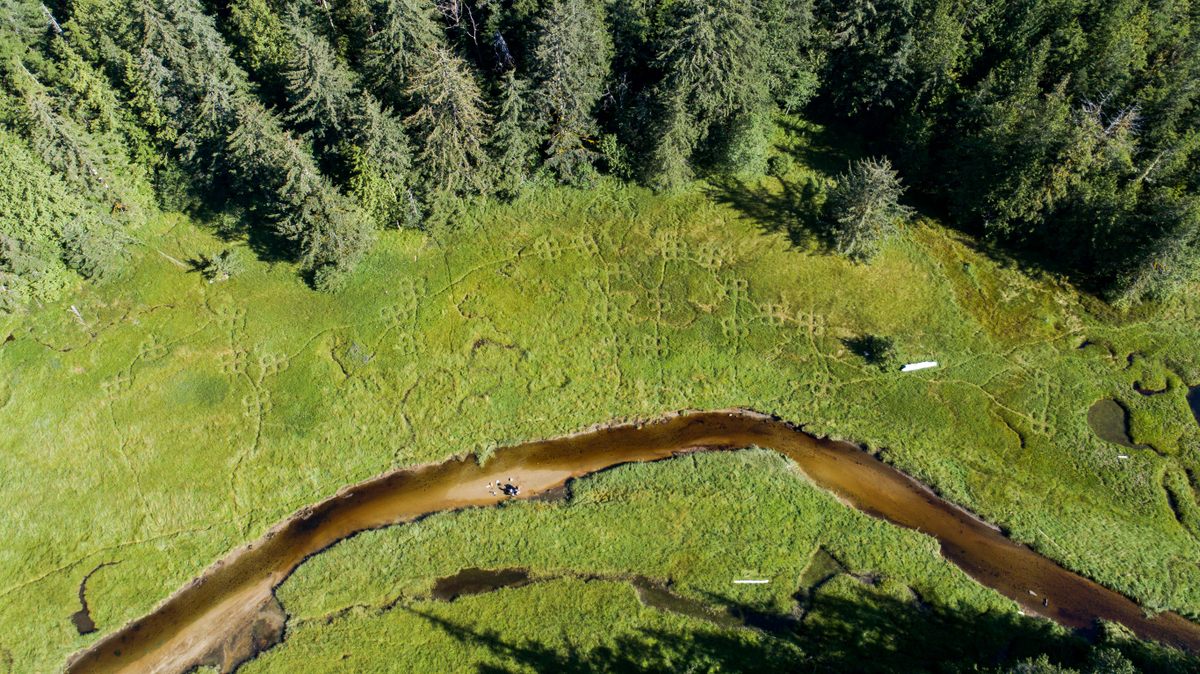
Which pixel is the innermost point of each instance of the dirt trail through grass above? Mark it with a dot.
(230, 612)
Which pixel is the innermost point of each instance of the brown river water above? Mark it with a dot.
(227, 614)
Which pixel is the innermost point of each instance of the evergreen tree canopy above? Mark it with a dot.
(571, 63)
(513, 142)
(1067, 131)
(59, 141)
(331, 236)
(870, 50)
(865, 208)
(381, 178)
(258, 33)
(713, 53)
(226, 132)
(1169, 258)
(450, 123)
(407, 33)
(789, 53)
(319, 88)
(714, 60)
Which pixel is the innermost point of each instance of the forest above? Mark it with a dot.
(1065, 134)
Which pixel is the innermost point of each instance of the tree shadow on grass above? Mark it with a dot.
(233, 218)
(792, 210)
(831, 146)
(268, 245)
(793, 204)
(870, 632)
(876, 350)
(825, 149)
(648, 650)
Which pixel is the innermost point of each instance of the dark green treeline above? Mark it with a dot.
(1066, 131)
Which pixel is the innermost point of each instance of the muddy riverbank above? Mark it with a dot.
(226, 614)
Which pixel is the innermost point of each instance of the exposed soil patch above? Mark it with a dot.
(230, 607)
(350, 357)
(559, 495)
(265, 630)
(485, 341)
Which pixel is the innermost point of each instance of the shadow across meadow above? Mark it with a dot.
(790, 201)
(871, 633)
(793, 210)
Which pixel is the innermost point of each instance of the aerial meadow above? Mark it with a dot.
(282, 282)
(182, 418)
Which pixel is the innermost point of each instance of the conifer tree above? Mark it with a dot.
(865, 208)
(319, 87)
(513, 141)
(332, 234)
(354, 20)
(713, 56)
(450, 123)
(58, 140)
(1170, 258)
(188, 69)
(788, 51)
(381, 166)
(676, 138)
(571, 63)
(870, 46)
(305, 208)
(408, 34)
(189, 78)
(258, 31)
(1068, 129)
(47, 225)
(89, 98)
(206, 55)
(1019, 162)
(713, 60)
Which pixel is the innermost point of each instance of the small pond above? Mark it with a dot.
(477, 581)
(1110, 422)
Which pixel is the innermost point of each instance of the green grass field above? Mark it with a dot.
(173, 419)
(882, 599)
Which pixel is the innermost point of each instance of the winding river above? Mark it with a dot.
(230, 612)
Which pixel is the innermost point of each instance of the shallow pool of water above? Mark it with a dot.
(1109, 420)
(477, 581)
